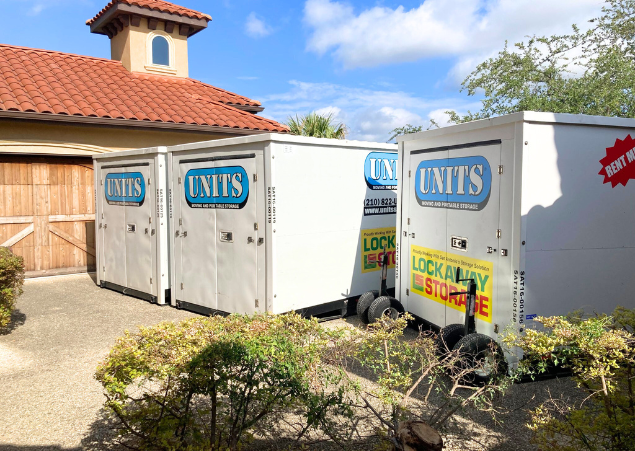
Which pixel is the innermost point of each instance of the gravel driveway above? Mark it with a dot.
(66, 325)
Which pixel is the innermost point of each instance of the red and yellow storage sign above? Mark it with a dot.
(372, 242)
(433, 273)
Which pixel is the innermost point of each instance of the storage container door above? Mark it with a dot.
(195, 238)
(454, 217)
(426, 227)
(120, 186)
(140, 231)
(216, 252)
(472, 233)
(237, 237)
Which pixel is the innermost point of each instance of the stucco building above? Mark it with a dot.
(59, 109)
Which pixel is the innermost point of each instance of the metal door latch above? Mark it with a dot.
(260, 241)
(147, 230)
(490, 250)
(250, 240)
(412, 234)
(504, 252)
(184, 234)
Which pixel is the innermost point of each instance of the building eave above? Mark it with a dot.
(130, 124)
(195, 25)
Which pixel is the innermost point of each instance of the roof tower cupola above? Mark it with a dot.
(149, 36)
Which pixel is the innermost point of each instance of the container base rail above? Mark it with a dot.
(130, 292)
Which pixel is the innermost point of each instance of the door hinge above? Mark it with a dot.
(408, 221)
(102, 181)
(180, 221)
(150, 220)
(498, 233)
(256, 303)
(409, 173)
(255, 177)
(255, 226)
(179, 180)
(500, 168)
(181, 285)
(407, 292)
(149, 181)
(150, 280)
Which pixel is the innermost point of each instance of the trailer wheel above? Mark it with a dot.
(449, 336)
(363, 303)
(384, 306)
(484, 355)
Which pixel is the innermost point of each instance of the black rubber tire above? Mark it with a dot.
(384, 305)
(363, 303)
(449, 336)
(474, 348)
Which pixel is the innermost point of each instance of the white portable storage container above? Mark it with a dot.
(277, 222)
(132, 223)
(534, 206)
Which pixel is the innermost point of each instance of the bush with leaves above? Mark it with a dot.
(600, 352)
(11, 281)
(211, 383)
(407, 375)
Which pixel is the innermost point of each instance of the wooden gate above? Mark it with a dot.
(47, 212)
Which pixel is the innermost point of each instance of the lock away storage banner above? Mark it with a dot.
(372, 244)
(433, 274)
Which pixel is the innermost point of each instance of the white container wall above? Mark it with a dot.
(132, 223)
(534, 206)
(279, 223)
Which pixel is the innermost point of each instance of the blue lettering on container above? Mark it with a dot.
(221, 187)
(457, 183)
(380, 170)
(125, 188)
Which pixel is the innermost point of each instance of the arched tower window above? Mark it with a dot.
(160, 51)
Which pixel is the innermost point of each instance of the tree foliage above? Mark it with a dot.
(583, 72)
(408, 129)
(600, 352)
(317, 126)
(11, 281)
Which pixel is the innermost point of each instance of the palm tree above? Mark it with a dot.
(316, 125)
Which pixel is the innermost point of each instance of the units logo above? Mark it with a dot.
(380, 170)
(458, 183)
(221, 187)
(125, 188)
(433, 273)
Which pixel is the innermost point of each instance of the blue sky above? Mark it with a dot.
(374, 65)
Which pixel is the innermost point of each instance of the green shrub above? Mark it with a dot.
(11, 281)
(210, 383)
(600, 352)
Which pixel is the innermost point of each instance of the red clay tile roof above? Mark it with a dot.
(43, 81)
(156, 5)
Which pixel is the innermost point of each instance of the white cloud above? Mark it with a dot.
(369, 114)
(256, 27)
(437, 28)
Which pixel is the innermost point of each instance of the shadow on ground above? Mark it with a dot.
(17, 319)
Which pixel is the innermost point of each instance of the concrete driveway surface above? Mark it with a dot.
(63, 327)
